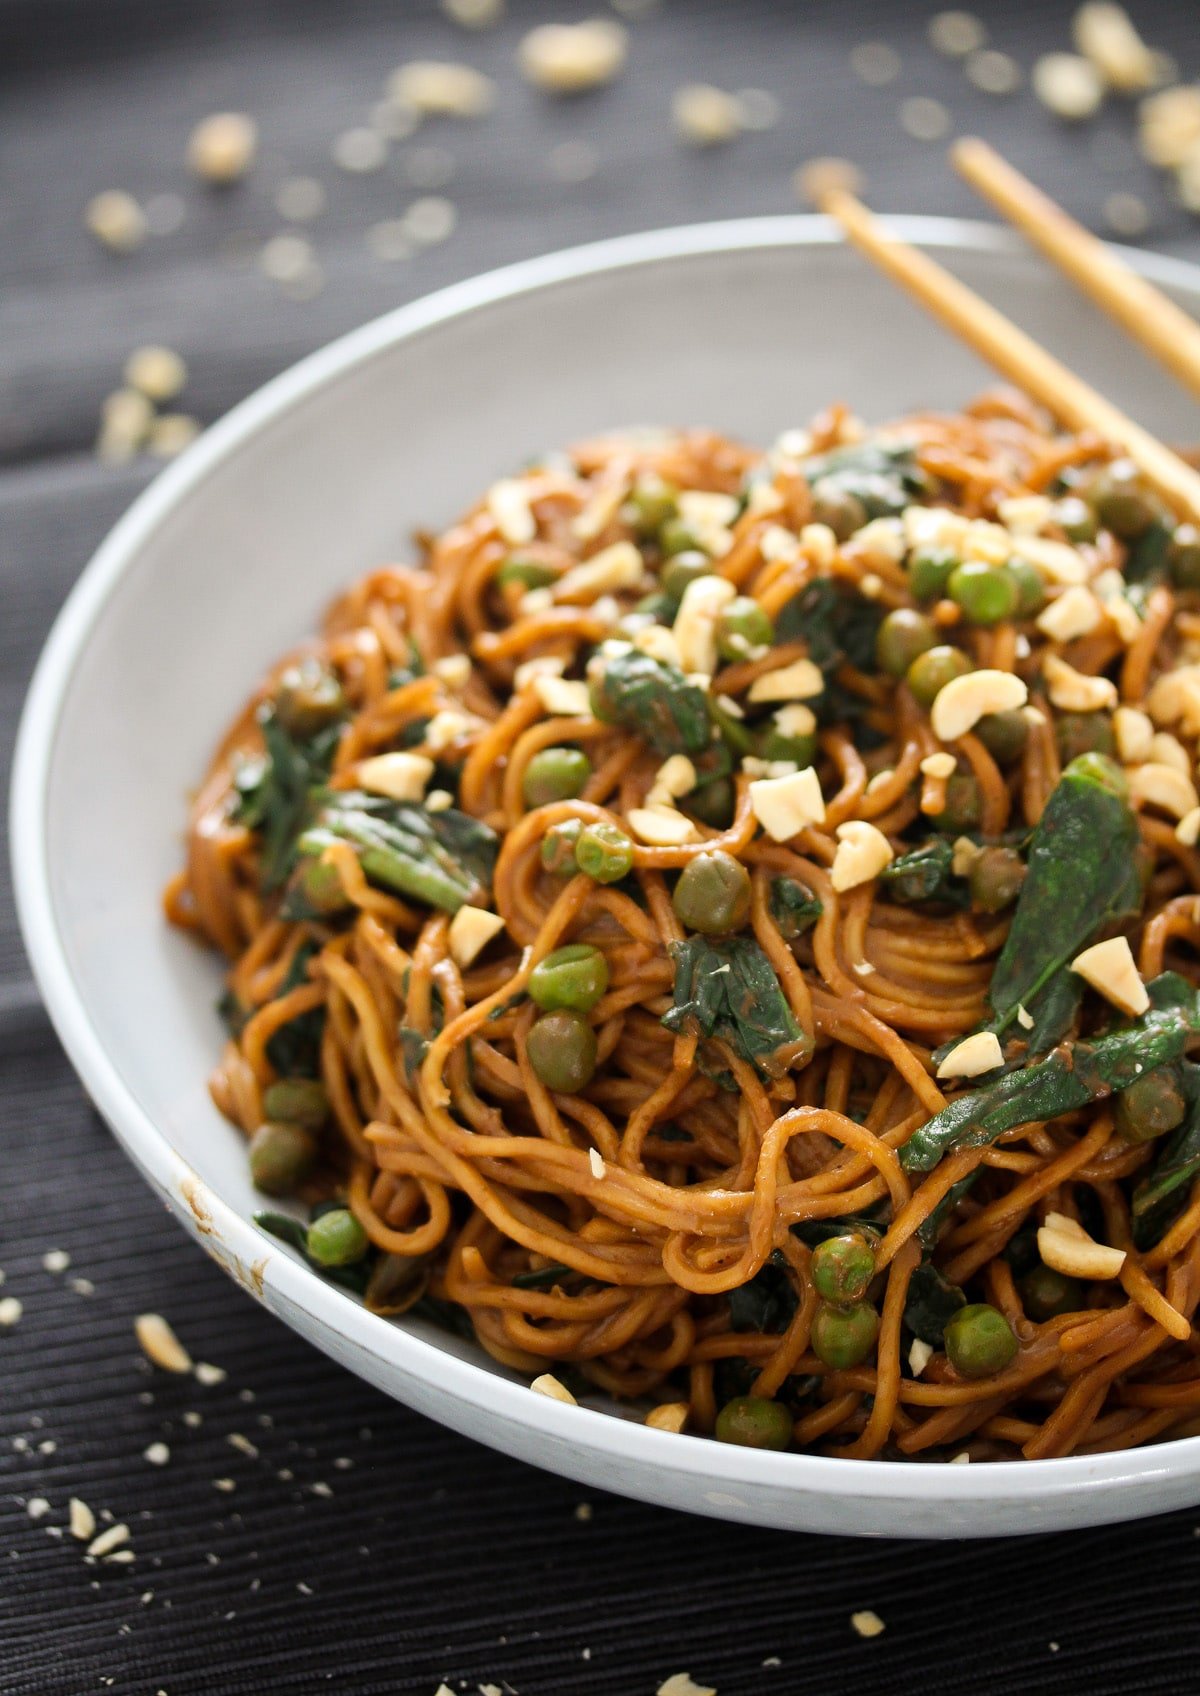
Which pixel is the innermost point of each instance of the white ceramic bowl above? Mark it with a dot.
(231, 555)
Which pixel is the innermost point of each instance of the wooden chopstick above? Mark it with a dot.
(1150, 318)
(1014, 354)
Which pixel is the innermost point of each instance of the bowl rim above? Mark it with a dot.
(511, 1403)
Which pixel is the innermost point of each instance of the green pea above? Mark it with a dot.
(1151, 1106)
(713, 803)
(337, 1238)
(1083, 733)
(1076, 518)
(558, 848)
(604, 852)
(754, 1422)
(1004, 735)
(930, 672)
(1031, 591)
(903, 635)
(525, 573)
(775, 744)
(743, 626)
(986, 593)
(555, 774)
(308, 698)
(1045, 1294)
(964, 804)
(281, 1157)
(995, 879)
(661, 607)
(651, 503)
(297, 1101)
(575, 976)
(835, 506)
(1121, 501)
(318, 886)
(678, 537)
(683, 569)
(843, 1267)
(562, 1051)
(979, 1341)
(712, 894)
(929, 571)
(1183, 557)
(844, 1336)
(734, 731)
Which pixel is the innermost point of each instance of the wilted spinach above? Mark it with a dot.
(794, 907)
(726, 988)
(654, 699)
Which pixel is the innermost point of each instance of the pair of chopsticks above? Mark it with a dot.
(1165, 331)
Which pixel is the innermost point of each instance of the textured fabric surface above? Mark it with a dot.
(353, 1546)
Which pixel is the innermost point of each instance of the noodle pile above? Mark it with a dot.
(651, 1235)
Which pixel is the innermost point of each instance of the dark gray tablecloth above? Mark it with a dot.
(361, 1549)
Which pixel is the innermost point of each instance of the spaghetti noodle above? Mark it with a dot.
(722, 927)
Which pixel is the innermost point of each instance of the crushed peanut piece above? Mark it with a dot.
(439, 88)
(786, 805)
(669, 1416)
(156, 372)
(1157, 785)
(705, 116)
(116, 220)
(569, 58)
(160, 1344)
(1068, 85)
(867, 1623)
(471, 929)
(1075, 691)
(222, 147)
(962, 702)
(82, 1521)
(1066, 1247)
(973, 1056)
(548, 1385)
(1111, 969)
(862, 853)
(1105, 34)
(399, 776)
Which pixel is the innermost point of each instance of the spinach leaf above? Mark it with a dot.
(767, 1301)
(442, 859)
(409, 672)
(544, 1278)
(1071, 1076)
(654, 699)
(794, 907)
(726, 988)
(930, 1227)
(924, 874)
(884, 476)
(1146, 560)
(932, 1301)
(276, 791)
(446, 1315)
(836, 622)
(231, 1013)
(295, 1048)
(413, 1049)
(1083, 876)
(1164, 1192)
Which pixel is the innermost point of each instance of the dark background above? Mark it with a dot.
(363, 1549)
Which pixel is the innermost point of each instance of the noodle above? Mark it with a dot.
(660, 1191)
